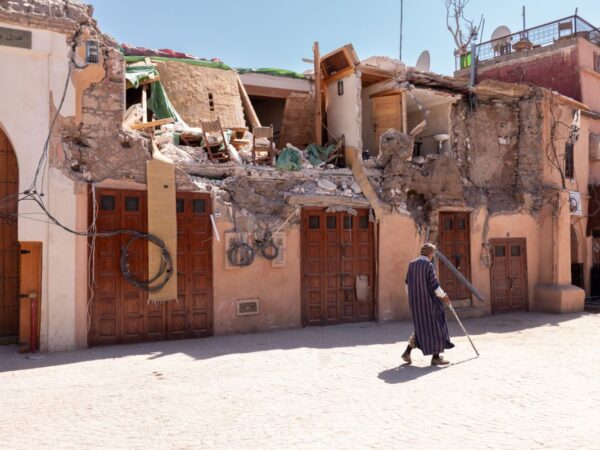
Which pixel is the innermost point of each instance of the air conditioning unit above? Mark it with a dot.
(575, 203)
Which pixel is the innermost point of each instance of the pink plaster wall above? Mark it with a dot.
(278, 289)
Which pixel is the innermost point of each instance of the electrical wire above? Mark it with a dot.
(35, 193)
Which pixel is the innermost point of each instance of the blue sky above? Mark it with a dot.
(279, 33)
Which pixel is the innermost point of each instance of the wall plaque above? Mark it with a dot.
(15, 38)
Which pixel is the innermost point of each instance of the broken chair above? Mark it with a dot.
(263, 146)
(214, 140)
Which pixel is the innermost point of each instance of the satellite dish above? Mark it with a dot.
(500, 40)
(424, 62)
(500, 32)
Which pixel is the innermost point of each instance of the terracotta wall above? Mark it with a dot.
(395, 254)
(590, 78)
(557, 69)
(278, 289)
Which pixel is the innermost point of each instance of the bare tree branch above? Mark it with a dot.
(463, 30)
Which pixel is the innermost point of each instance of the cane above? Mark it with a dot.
(463, 328)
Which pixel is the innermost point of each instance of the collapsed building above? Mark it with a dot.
(176, 197)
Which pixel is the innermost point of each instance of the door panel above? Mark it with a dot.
(9, 246)
(509, 275)
(455, 245)
(120, 312)
(336, 249)
(387, 113)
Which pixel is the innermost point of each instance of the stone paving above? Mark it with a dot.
(536, 384)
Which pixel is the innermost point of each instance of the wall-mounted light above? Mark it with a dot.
(92, 52)
(340, 87)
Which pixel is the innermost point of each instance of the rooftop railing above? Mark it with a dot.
(536, 37)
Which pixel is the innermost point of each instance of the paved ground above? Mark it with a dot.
(536, 384)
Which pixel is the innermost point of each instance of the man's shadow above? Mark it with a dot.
(407, 372)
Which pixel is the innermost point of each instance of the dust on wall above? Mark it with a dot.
(202, 93)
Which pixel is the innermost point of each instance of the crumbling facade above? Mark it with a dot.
(312, 236)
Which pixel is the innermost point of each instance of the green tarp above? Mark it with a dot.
(272, 71)
(160, 105)
(193, 62)
(136, 74)
(317, 154)
(288, 160)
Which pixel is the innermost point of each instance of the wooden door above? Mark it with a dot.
(337, 248)
(191, 315)
(9, 246)
(387, 113)
(455, 245)
(509, 275)
(121, 312)
(30, 287)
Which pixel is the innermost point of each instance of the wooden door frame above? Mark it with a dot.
(121, 192)
(469, 275)
(508, 241)
(305, 210)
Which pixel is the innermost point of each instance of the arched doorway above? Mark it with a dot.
(577, 275)
(9, 245)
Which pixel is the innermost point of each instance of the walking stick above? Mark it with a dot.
(463, 328)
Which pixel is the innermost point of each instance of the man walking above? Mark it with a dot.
(426, 299)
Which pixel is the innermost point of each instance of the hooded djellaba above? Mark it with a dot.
(426, 299)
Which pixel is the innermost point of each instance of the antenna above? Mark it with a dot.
(401, 21)
(524, 27)
(424, 62)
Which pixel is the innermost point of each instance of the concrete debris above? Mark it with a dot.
(326, 185)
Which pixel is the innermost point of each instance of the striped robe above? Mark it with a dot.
(431, 329)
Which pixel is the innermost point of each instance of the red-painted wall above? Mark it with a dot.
(558, 71)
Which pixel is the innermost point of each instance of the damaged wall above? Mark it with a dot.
(298, 124)
(189, 87)
(85, 134)
(344, 112)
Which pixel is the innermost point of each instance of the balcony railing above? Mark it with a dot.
(532, 38)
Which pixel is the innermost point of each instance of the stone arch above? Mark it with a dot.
(9, 245)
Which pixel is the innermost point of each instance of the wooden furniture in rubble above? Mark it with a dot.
(263, 152)
(214, 140)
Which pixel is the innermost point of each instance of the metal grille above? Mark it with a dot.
(539, 36)
(247, 307)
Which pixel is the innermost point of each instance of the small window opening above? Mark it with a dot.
(597, 62)
(340, 86)
(569, 163)
(211, 103)
(92, 50)
(132, 204)
(180, 205)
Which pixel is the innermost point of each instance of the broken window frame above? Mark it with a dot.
(569, 160)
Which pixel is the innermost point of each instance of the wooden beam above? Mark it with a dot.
(149, 81)
(339, 75)
(145, 103)
(270, 92)
(248, 108)
(404, 116)
(155, 123)
(318, 111)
